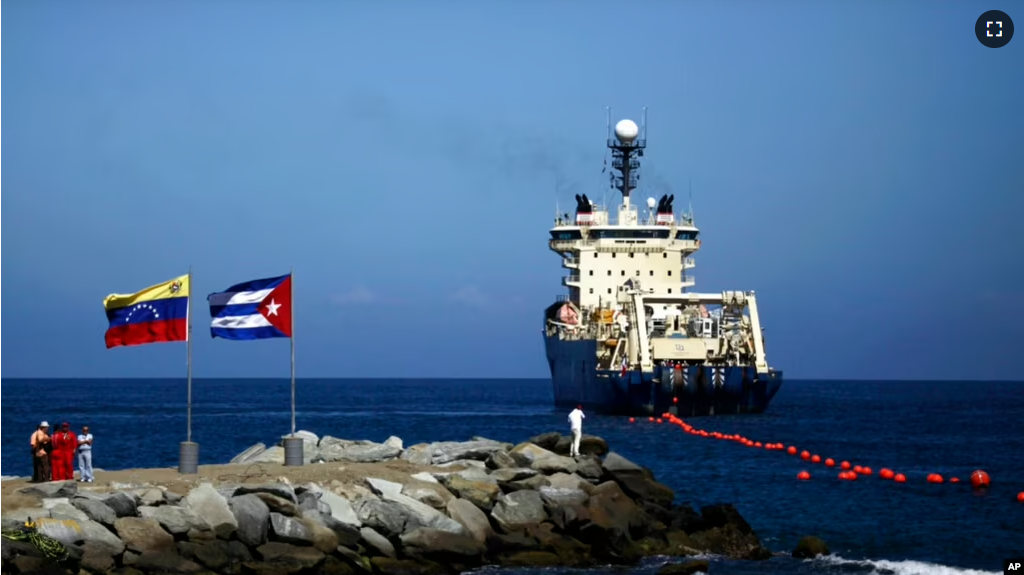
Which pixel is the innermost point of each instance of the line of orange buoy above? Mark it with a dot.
(848, 472)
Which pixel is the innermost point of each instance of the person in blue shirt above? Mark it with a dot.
(85, 455)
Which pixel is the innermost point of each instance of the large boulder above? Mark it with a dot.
(518, 510)
(637, 481)
(810, 547)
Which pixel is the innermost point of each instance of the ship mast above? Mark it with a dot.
(627, 146)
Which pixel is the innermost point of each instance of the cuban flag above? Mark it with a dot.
(256, 309)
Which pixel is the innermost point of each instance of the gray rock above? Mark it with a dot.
(377, 542)
(333, 449)
(51, 489)
(556, 497)
(67, 531)
(282, 490)
(93, 532)
(434, 495)
(213, 508)
(554, 464)
(429, 542)
(140, 534)
(446, 451)
(252, 516)
(525, 454)
(341, 508)
(249, 454)
(50, 502)
(279, 505)
(514, 511)
(95, 510)
(122, 504)
(500, 460)
(385, 517)
(312, 488)
(285, 558)
(67, 511)
(274, 454)
(346, 534)
(425, 515)
(165, 561)
(567, 481)
(173, 518)
(394, 441)
(420, 454)
(513, 473)
(424, 476)
(289, 530)
(471, 518)
(590, 468)
(150, 496)
(97, 557)
(18, 517)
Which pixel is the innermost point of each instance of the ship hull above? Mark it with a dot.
(685, 391)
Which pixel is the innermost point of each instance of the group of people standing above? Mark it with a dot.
(53, 456)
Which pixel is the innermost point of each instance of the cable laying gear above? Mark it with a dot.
(48, 546)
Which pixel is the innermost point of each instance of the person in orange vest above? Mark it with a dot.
(40, 443)
(65, 444)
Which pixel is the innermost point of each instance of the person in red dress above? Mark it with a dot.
(65, 444)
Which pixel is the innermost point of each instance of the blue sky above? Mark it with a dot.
(860, 165)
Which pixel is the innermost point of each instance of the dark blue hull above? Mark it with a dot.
(686, 391)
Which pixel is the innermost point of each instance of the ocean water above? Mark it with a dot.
(871, 525)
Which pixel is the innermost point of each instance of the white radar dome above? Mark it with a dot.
(651, 202)
(626, 130)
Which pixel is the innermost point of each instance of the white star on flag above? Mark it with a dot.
(272, 307)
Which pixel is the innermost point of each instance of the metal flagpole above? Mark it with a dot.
(188, 341)
(291, 308)
(293, 446)
(188, 454)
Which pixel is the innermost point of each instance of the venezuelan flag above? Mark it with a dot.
(156, 314)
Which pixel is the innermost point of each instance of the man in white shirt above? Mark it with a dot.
(85, 455)
(576, 426)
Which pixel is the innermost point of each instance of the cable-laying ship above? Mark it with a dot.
(630, 338)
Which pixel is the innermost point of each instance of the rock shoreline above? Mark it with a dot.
(442, 507)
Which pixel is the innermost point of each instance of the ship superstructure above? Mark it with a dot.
(629, 337)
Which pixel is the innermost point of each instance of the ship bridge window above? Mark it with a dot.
(686, 235)
(591, 272)
(623, 272)
(670, 273)
(566, 235)
(609, 290)
(629, 234)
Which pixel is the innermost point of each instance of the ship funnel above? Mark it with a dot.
(665, 215)
(584, 210)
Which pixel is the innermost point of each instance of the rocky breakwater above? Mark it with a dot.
(375, 508)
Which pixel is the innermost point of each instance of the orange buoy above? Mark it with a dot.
(659, 420)
(1020, 497)
(954, 480)
(757, 444)
(980, 479)
(865, 470)
(803, 476)
(632, 420)
(847, 475)
(886, 473)
(858, 469)
(650, 419)
(791, 450)
(844, 465)
(675, 400)
(900, 478)
(815, 458)
(934, 478)
(805, 454)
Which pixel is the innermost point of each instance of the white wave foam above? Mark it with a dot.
(884, 567)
